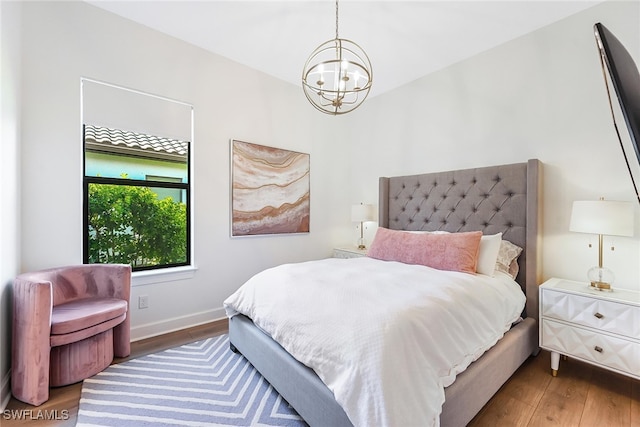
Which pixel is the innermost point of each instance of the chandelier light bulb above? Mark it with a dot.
(356, 77)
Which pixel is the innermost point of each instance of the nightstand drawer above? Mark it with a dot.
(608, 316)
(615, 353)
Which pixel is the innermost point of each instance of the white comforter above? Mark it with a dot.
(385, 337)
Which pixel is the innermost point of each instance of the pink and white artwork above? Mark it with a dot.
(269, 190)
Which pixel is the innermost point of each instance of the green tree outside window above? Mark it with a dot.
(131, 225)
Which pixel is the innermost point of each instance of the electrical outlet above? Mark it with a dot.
(143, 301)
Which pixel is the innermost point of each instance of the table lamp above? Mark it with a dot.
(602, 217)
(361, 213)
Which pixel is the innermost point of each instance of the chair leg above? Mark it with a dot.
(122, 338)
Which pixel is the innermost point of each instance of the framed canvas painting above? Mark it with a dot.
(270, 191)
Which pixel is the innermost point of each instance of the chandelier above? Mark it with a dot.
(337, 77)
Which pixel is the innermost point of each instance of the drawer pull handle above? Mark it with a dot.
(598, 349)
(598, 315)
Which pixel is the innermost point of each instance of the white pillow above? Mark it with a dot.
(488, 253)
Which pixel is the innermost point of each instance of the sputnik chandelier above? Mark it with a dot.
(337, 77)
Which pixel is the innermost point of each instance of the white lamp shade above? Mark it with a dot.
(361, 213)
(606, 217)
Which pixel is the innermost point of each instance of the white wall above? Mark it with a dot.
(64, 41)
(539, 96)
(9, 179)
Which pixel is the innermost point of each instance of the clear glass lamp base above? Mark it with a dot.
(601, 278)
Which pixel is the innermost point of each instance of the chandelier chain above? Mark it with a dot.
(337, 20)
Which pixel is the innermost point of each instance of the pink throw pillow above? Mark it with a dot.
(451, 251)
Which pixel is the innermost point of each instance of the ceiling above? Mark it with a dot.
(404, 40)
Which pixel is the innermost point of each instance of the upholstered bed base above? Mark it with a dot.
(303, 389)
(492, 199)
(474, 387)
(297, 384)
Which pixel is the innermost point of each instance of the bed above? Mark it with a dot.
(497, 199)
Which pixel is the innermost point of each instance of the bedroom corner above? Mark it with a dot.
(10, 107)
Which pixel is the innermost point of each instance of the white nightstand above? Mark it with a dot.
(351, 252)
(601, 328)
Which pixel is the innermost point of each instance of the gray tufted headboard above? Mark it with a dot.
(491, 199)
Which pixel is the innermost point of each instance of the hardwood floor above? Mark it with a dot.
(581, 395)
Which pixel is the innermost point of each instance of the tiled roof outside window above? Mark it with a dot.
(126, 142)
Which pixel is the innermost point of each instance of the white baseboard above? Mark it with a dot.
(175, 324)
(5, 390)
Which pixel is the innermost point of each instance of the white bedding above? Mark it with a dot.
(385, 337)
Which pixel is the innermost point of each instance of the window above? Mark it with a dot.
(136, 185)
(163, 193)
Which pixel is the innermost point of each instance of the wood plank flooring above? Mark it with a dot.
(580, 396)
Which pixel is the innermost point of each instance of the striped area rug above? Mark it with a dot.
(198, 384)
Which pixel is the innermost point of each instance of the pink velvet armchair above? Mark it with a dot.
(68, 323)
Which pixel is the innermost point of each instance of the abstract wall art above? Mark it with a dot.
(270, 191)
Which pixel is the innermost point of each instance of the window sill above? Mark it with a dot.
(139, 278)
